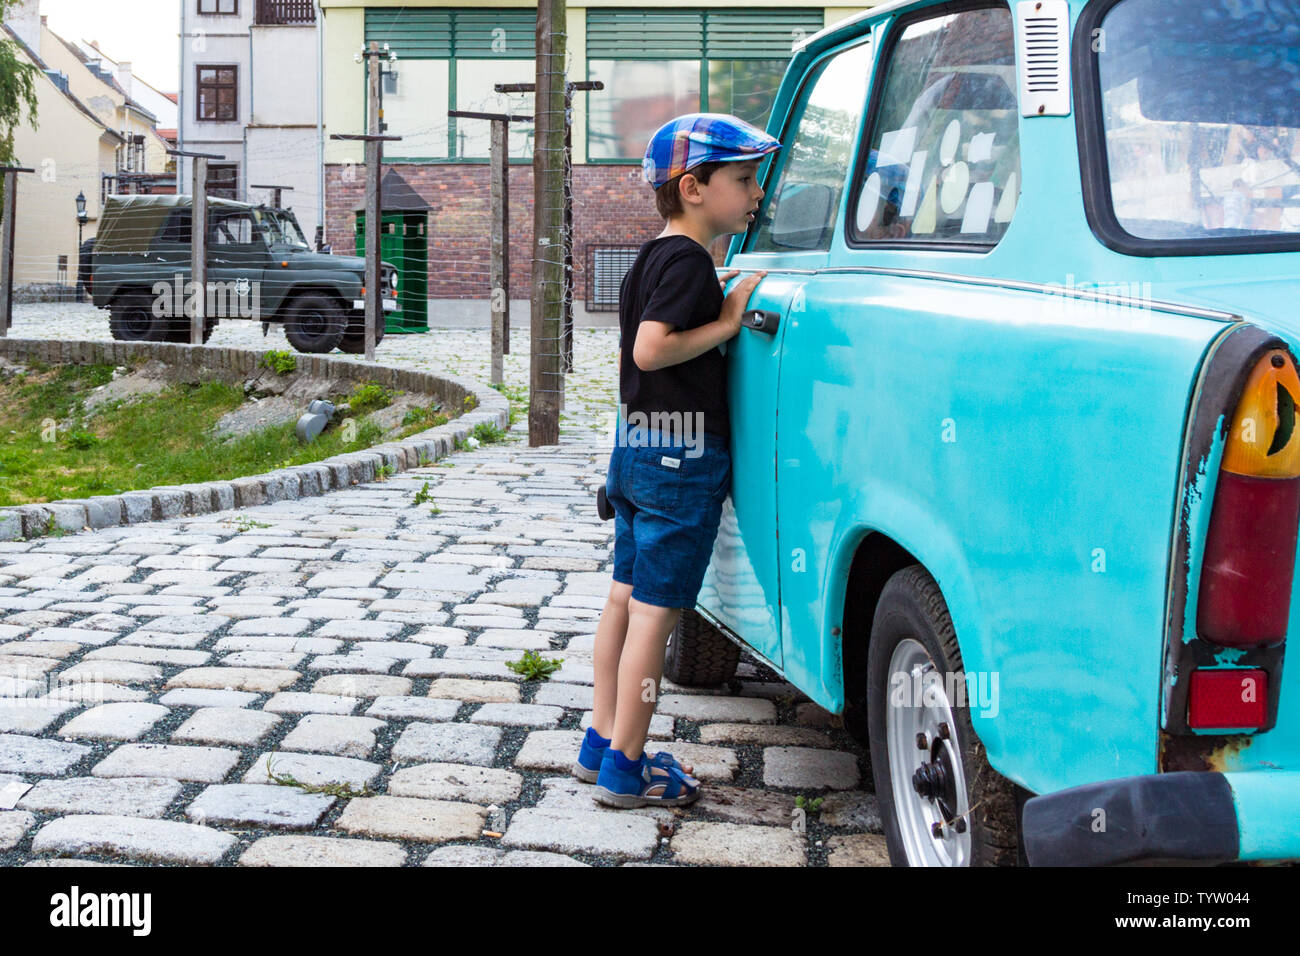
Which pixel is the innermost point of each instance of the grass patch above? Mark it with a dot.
(369, 397)
(281, 361)
(54, 450)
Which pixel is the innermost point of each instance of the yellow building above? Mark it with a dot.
(144, 152)
(73, 152)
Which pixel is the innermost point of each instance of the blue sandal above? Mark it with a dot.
(587, 767)
(628, 789)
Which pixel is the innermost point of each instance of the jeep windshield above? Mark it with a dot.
(1191, 135)
(281, 229)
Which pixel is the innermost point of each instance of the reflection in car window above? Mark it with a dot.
(1201, 104)
(944, 164)
(800, 214)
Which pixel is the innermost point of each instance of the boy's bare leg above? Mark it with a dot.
(639, 671)
(610, 634)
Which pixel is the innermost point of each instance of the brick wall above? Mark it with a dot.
(611, 204)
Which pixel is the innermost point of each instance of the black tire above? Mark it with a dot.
(912, 609)
(180, 330)
(698, 655)
(314, 323)
(131, 319)
(354, 339)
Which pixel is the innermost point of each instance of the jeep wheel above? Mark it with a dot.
(132, 320)
(180, 331)
(354, 339)
(698, 654)
(940, 801)
(314, 324)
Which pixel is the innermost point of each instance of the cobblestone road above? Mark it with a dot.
(360, 640)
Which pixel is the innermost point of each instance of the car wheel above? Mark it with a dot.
(940, 801)
(180, 331)
(354, 339)
(131, 319)
(315, 324)
(698, 654)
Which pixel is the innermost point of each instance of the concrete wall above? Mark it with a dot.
(284, 76)
(286, 157)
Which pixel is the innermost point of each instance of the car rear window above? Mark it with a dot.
(1199, 108)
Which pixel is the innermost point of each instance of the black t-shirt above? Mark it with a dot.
(673, 280)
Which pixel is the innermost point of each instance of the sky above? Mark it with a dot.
(142, 32)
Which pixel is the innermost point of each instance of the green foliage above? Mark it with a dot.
(154, 439)
(369, 396)
(535, 667)
(471, 402)
(52, 529)
(811, 805)
(426, 416)
(344, 790)
(17, 92)
(487, 433)
(422, 495)
(244, 523)
(281, 361)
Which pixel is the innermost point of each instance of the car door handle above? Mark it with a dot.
(761, 321)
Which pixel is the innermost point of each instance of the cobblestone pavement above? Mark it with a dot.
(359, 639)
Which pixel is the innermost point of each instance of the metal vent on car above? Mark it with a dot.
(1043, 46)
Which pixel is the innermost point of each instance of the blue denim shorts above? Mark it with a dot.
(667, 507)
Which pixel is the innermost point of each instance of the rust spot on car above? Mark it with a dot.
(1211, 752)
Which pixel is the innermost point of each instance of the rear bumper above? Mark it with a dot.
(1186, 816)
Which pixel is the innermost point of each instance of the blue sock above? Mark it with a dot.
(622, 763)
(596, 740)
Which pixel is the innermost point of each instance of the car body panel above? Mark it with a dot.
(1066, 371)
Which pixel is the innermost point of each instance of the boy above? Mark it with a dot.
(668, 480)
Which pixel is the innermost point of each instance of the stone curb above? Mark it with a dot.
(299, 481)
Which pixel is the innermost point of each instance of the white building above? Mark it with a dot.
(250, 93)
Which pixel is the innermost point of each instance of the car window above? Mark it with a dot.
(801, 206)
(176, 228)
(944, 159)
(236, 230)
(1202, 121)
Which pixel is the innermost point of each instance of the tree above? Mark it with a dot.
(17, 92)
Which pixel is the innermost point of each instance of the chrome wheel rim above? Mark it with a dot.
(926, 775)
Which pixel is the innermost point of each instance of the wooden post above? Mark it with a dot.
(546, 379)
(499, 279)
(7, 251)
(374, 203)
(499, 191)
(199, 249)
(198, 240)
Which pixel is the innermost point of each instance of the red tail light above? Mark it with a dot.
(1249, 563)
(1227, 699)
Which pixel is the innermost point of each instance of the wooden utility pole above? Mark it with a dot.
(198, 241)
(374, 141)
(569, 89)
(7, 234)
(499, 277)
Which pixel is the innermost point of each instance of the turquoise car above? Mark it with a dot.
(1016, 475)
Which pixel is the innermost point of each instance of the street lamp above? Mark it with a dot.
(81, 222)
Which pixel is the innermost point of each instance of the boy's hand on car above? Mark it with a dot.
(733, 306)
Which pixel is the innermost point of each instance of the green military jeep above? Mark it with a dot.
(259, 267)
